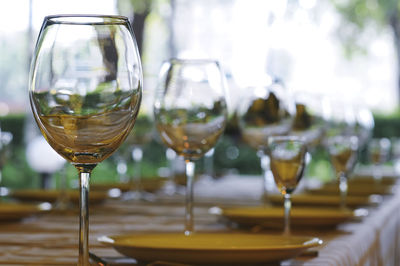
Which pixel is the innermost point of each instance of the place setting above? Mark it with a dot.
(183, 133)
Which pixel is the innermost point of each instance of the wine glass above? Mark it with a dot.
(190, 112)
(379, 152)
(287, 155)
(85, 93)
(5, 150)
(309, 121)
(140, 136)
(264, 111)
(343, 151)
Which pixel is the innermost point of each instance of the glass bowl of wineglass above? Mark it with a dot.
(287, 155)
(190, 112)
(140, 136)
(85, 93)
(343, 151)
(264, 111)
(379, 153)
(309, 120)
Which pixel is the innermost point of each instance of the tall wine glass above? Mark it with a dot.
(343, 151)
(85, 93)
(140, 136)
(379, 152)
(264, 111)
(287, 154)
(309, 121)
(190, 112)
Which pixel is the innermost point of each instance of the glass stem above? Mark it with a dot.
(84, 178)
(343, 190)
(190, 166)
(377, 174)
(268, 179)
(288, 206)
(137, 156)
(209, 163)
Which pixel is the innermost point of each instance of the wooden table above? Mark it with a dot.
(51, 238)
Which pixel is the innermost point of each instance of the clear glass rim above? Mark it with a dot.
(85, 19)
(176, 60)
(282, 138)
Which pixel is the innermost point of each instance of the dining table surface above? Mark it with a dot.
(51, 237)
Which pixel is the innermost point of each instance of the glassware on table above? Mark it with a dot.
(310, 118)
(379, 153)
(395, 154)
(139, 136)
(190, 112)
(364, 125)
(343, 151)
(85, 93)
(287, 155)
(5, 143)
(264, 111)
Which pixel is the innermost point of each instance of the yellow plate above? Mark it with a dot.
(355, 189)
(386, 180)
(149, 185)
(53, 195)
(210, 248)
(325, 200)
(17, 211)
(300, 217)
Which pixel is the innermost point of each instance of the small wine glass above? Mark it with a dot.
(190, 112)
(287, 155)
(140, 136)
(85, 93)
(5, 150)
(343, 151)
(264, 111)
(379, 152)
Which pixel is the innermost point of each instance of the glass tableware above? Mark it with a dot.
(379, 153)
(190, 112)
(5, 144)
(140, 136)
(301, 217)
(85, 93)
(287, 154)
(211, 248)
(343, 151)
(264, 111)
(309, 121)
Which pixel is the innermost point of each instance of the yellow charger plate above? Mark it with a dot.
(355, 189)
(17, 211)
(149, 185)
(360, 179)
(320, 200)
(210, 248)
(299, 217)
(52, 195)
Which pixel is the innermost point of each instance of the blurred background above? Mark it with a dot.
(333, 49)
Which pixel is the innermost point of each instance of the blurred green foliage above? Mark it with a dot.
(231, 155)
(360, 16)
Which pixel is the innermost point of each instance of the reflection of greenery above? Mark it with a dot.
(142, 131)
(18, 174)
(264, 111)
(96, 102)
(302, 120)
(198, 114)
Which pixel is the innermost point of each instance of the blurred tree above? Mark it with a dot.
(366, 15)
(137, 12)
